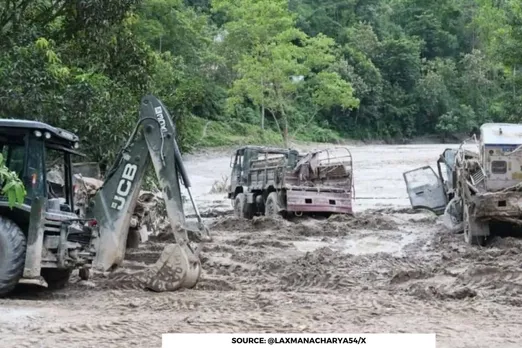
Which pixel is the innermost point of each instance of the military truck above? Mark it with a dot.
(272, 181)
(474, 189)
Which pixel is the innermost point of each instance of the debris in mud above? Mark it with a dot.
(215, 284)
(365, 220)
(325, 251)
(323, 256)
(244, 225)
(428, 292)
(264, 222)
(322, 228)
(218, 248)
(515, 302)
(340, 225)
(212, 213)
(87, 188)
(391, 211)
(249, 256)
(158, 276)
(274, 265)
(261, 244)
(274, 244)
(309, 230)
(149, 216)
(317, 269)
(505, 243)
(404, 276)
(460, 294)
(424, 219)
(220, 186)
(480, 270)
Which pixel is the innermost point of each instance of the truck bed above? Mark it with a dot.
(312, 186)
(273, 171)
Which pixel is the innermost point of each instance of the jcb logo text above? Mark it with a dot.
(124, 186)
(161, 119)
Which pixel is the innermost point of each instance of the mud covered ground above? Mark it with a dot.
(387, 269)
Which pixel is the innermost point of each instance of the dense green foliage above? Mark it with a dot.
(321, 70)
(13, 188)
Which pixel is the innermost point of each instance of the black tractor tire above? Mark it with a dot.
(272, 205)
(56, 278)
(12, 255)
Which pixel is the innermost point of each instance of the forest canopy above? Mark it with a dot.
(309, 69)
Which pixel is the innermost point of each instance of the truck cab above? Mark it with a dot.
(43, 238)
(242, 159)
(501, 155)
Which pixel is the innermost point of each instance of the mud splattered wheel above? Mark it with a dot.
(56, 278)
(272, 205)
(241, 208)
(12, 255)
(475, 231)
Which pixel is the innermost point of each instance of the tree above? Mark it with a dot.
(360, 68)
(278, 63)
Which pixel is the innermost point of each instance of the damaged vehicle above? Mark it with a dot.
(273, 181)
(474, 189)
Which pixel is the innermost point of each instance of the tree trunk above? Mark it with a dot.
(285, 129)
(283, 115)
(285, 136)
(263, 116)
(276, 122)
(262, 106)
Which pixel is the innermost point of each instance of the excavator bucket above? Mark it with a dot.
(114, 203)
(175, 269)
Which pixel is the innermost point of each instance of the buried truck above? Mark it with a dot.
(48, 236)
(474, 189)
(272, 181)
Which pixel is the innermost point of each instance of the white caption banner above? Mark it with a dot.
(299, 340)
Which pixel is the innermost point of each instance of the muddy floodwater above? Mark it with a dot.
(386, 269)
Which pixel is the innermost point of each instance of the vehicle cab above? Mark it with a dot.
(501, 154)
(41, 156)
(242, 158)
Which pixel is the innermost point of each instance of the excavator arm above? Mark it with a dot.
(153, 140)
